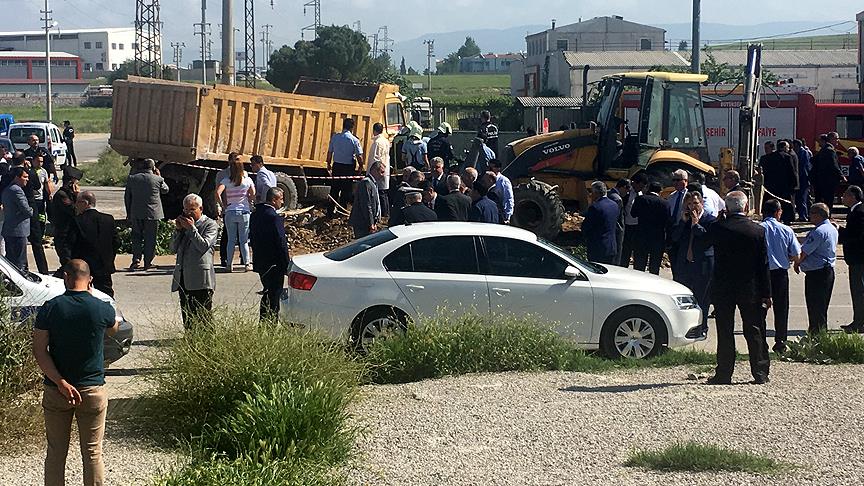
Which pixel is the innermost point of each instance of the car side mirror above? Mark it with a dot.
(572, 272)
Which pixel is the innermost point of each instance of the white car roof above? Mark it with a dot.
(456, 228)
(32, 124)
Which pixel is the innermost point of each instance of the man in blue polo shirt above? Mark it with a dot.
(68, 343)
(783, 248)
(342, 155)
(818, 255)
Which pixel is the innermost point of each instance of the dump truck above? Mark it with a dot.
(190, 129)
(668, 134)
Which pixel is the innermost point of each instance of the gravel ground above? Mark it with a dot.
(575, 428)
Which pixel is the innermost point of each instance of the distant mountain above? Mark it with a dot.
(489, 40)
(513, 39)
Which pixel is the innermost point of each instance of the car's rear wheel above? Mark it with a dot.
(633, 332)
(377, 323)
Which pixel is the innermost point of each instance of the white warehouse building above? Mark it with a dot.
(100, 50)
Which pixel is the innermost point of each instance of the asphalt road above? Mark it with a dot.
(88, 146)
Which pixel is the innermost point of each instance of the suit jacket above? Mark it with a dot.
(267, 237)
(194, 249)
(600, 229)
(453, 206)
(62, 212)
(418, 213)
(781, 174)
(16, 212)
(143, 196)
(702, 248)
(852, 236)
(825, 172)
(740, 260)
(653, 213)
(366, 210)
(96, 241)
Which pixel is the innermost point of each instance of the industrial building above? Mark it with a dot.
(100, 50)
(23, 72)
(488, 63)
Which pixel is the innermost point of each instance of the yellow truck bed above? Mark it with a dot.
(182, 122)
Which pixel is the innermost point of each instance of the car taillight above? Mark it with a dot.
(301, 281)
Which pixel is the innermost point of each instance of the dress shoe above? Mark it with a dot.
(779, 347)
(852, 328)
(147, 267)
(760, 380)
(718, 380)
(135, 266)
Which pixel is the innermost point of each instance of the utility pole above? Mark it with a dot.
(203, 26)
(375, 46)
(265, 45)
(227, 42)
(385, 43)
(148, 39)
(357, 26)
(178, 55)
(430, 53)
(316, 23)
(694, 57)
(49, 22)
(249, 35)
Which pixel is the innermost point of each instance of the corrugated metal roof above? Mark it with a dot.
(832, 57)
(549, 102)
(624, 60)
(36, 54)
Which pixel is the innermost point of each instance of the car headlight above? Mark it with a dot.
(685, 302)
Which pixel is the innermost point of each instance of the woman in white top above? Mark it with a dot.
(240, 196)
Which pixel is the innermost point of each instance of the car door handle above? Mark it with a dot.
(501, 292)
(413, 287)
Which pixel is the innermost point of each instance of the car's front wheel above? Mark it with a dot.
(377, 323)
(633, 332)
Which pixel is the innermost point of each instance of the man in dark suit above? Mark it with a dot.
(825, 174)
(452, 206)
(741, 279)
(270, 250)
(852, 238)
(96, 241)
(781, 178)
(600, 226)
(653, 213)
(620, 194)
(415, 211)
(366, 210)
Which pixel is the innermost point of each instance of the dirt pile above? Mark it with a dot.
(312, 232)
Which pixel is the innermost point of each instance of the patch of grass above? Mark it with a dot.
(108, 170)
(20, 416)
(447, 345)
(452, 87)
(85, 120)
(696, 457)
(245, 472)
(827, 348)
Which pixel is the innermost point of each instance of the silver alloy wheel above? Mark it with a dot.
(377, 328)
(635, 338)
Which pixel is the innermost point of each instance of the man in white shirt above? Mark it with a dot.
(264, 179)
(711, 201)
(505, 189)
(631, 223)
(380, 152)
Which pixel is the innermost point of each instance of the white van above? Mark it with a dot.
(49, 137)
(25, 292)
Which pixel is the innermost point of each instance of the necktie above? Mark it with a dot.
(677, 205)
(690, 247)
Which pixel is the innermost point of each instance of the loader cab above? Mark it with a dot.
(641, 113)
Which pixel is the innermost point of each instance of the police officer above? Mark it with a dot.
(69, 138)
(440, 146)
(35, 150)
(488, 131)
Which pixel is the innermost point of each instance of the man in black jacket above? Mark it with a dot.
(781, 178)
(63, 214)
(653, 213)
(825, 174)
(440, 146)
(270, 250)
(35, 149)
(739, 245)
(454, 205)
(415, 211)
(96, 241)
(852, 238)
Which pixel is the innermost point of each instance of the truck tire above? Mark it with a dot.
(317, 194)
(286, 183)
(538, 209)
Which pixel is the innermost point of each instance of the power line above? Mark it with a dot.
(148, 39)
(316, 23)
(249, 34)
(178, 55)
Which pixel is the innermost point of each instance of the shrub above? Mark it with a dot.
(445, 345)
(695, 457)
(164, 234)
(210, 373)
(247, 472)
(827, 348)
(108, 170)
(20, 377)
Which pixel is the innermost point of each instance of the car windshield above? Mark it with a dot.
(24, 273)
(589, 266)
(357, 247)
(21, 134)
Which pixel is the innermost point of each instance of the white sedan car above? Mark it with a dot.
(397, 275)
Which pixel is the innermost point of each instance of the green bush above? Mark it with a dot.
(164, 235)
(246, 472)
(695, 457)
(108, 170)
(209, 374)
(445, 345)
(20, 415)
(827, 348)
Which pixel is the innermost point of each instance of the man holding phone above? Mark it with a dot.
(68, 343)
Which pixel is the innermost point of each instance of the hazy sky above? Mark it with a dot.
(417, 17)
